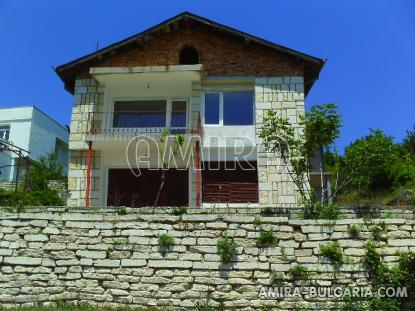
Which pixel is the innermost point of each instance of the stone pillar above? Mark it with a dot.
(88, 97)
(286, 96)
(194, 109)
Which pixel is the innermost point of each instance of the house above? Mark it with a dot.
(193, 77)
(29, 129)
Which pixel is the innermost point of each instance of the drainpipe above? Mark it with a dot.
(88, 174)
(197, 174)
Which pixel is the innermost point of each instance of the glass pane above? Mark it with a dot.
(178, 114)
(143, 113)
(4, 132)
(212, 108)
(238, 108)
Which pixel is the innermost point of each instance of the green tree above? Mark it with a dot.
(321, 127)
(409, 141)
(47, 168)
(368, 161)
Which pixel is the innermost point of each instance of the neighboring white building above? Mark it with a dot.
(31, 129)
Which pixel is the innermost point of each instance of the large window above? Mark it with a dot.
(150, 113)
(229, 108)
(4, 132)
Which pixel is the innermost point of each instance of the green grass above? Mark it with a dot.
(82, 307)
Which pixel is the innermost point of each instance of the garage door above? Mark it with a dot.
(124, 189)
(235, 184)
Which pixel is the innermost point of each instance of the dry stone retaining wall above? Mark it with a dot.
(112, 260)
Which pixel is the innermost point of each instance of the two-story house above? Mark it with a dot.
(35, 132)
(190, 76)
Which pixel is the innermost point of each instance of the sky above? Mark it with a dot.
(369, 47)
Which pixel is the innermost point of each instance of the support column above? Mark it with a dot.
(88, 175)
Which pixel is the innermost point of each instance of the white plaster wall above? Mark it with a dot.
(33, 131)
(43, 134)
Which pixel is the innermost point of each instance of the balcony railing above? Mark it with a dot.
(127, 122)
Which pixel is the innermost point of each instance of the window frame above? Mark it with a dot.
(6, 129)
(169, 106)
(221, 107)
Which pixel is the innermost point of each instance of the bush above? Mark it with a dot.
(378, 231)
(354, 231)
(277, 277)
(266, 238)
(166, 240)
(227, 248)
(321, 211)
(267, 211)
(45, 197)
(177, 211)
(299, 272)
(332, 251)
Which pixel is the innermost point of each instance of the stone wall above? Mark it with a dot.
(102, 258)
(286, 96)
(88, 97)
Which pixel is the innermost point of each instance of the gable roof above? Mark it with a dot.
(67, 71)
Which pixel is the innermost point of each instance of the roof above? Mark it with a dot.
(65, 71)
(42, 112)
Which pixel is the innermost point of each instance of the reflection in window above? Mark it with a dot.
(178, 113)
(238, 108)
(212, 108)
(140, 113)
(4, 132)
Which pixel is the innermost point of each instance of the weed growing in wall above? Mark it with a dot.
(266, 238)
(299, 272)
(166, 241)
(354, 231)
(227, 248)
(333, 252)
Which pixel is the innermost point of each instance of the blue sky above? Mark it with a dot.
(370, 47)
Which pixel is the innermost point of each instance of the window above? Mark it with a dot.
(178, 113)
(189, 56)
(212, 103)
(4, 132)
(140, 113)
(229, 108)
(150, 113)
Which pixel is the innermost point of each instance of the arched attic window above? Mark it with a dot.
(189, 56)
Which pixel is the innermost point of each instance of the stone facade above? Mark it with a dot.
(286, 96)
(88, 97)
(110, 260)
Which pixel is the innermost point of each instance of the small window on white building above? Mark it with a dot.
(4, 132)
(229, 108)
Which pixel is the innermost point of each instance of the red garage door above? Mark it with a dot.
(235, 184)
(124, 189)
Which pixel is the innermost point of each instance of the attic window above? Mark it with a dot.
(189, 56)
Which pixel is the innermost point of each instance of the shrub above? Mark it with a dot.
(166, 240)
(378, 231)
(177, 211)
(277, 277)
(226, 248)
(266, 238)
(321, 211)
(267, 211)
(354, 231)
(299, 272)
(121, 211)
(45, 197)
(332, 251)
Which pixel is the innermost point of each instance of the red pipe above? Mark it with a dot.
(88, 174)
(197, 174)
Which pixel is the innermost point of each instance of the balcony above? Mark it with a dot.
(126, 124)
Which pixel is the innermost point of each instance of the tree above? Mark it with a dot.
(321, 127)
(47, 168)
(409, 141)
(368, 159)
